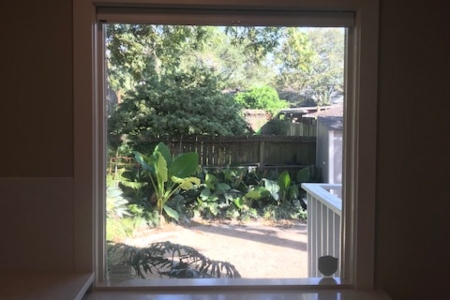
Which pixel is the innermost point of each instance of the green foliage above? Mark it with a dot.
(284, 212)
(258, 42)
(118, 229)
(179, 103)
(307, 63)
(143, 216)
(294, 58)
(116, 205)
(170, 260)
(275, 127)
(168, 176)
(288, 188)
(214, 197)
(238, 193)
(313, 65)
(137, 52)
(263, 97)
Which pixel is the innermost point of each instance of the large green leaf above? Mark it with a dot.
(214, 208)
(303, 175)
(171, 212)
(161, 168)
(142, 161)
(293, 192)
(263, 191)
(272, 187)
(211, 181)
(133, 185)
(239, 202)
(206, 192)
(284, 181)
(184, 165)
(222, 188)
(186, 183)
(253, 195)
(165, 151)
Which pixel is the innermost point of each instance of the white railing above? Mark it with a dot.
(324, 207)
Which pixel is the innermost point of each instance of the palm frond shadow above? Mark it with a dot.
(169, 260)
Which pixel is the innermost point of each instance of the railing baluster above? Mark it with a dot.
(324, 224)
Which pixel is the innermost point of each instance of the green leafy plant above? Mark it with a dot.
(116, 205)
(214, 196)
(168, 175)
(282, 190)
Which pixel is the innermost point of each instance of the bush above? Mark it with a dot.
(264, 97)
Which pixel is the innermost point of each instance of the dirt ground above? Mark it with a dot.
(256, 249)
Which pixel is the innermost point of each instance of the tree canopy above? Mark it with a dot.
(263, 97)
(177, 104)
(165, 79)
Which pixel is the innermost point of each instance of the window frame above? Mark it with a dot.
(359, 152)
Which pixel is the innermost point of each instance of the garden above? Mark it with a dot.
(160, 209)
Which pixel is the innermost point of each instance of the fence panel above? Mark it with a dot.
(261, 151)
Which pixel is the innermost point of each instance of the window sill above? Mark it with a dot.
(223, 284)
(236, 289)
(236, 294)
(48, 286)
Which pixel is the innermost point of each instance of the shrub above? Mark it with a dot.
(264, 97)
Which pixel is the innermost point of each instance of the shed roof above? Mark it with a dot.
(332, 118)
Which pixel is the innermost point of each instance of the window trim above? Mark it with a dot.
(359, 220)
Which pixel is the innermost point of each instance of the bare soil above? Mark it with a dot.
(257, 249)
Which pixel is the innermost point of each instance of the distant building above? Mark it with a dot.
(329, 143)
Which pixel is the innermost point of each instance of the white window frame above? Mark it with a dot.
(359, 150)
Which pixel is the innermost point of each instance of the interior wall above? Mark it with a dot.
(36, 150)
(413, 204)
(36, 89)
(412, 230)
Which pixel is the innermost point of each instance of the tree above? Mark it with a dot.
(294, 59)
(230, 60)
(263, 97)
(137, 52)
(326, 72)
(179, 104)
(258, 42)
(311, 64)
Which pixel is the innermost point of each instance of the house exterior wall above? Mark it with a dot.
(412, 224)
(329, 153)
(322, 153)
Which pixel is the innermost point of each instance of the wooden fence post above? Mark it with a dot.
(261, 153)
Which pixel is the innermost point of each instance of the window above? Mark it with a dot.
(359, 152)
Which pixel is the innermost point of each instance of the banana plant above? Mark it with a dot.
(168, 175)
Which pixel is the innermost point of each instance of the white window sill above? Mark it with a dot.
(224, 284)
(236, 289)
(239, 295)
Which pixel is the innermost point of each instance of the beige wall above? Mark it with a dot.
(36, 89)
(413, 212)
(413, 203)
(36, 147)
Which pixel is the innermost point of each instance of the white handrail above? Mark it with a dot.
(321, 192)
(324, 224)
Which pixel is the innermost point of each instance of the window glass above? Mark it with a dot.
(224, 151)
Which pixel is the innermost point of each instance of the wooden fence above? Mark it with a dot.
(301, 129)
(246, 150)
(287, 128)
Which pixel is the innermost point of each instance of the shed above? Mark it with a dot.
(329, 143)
